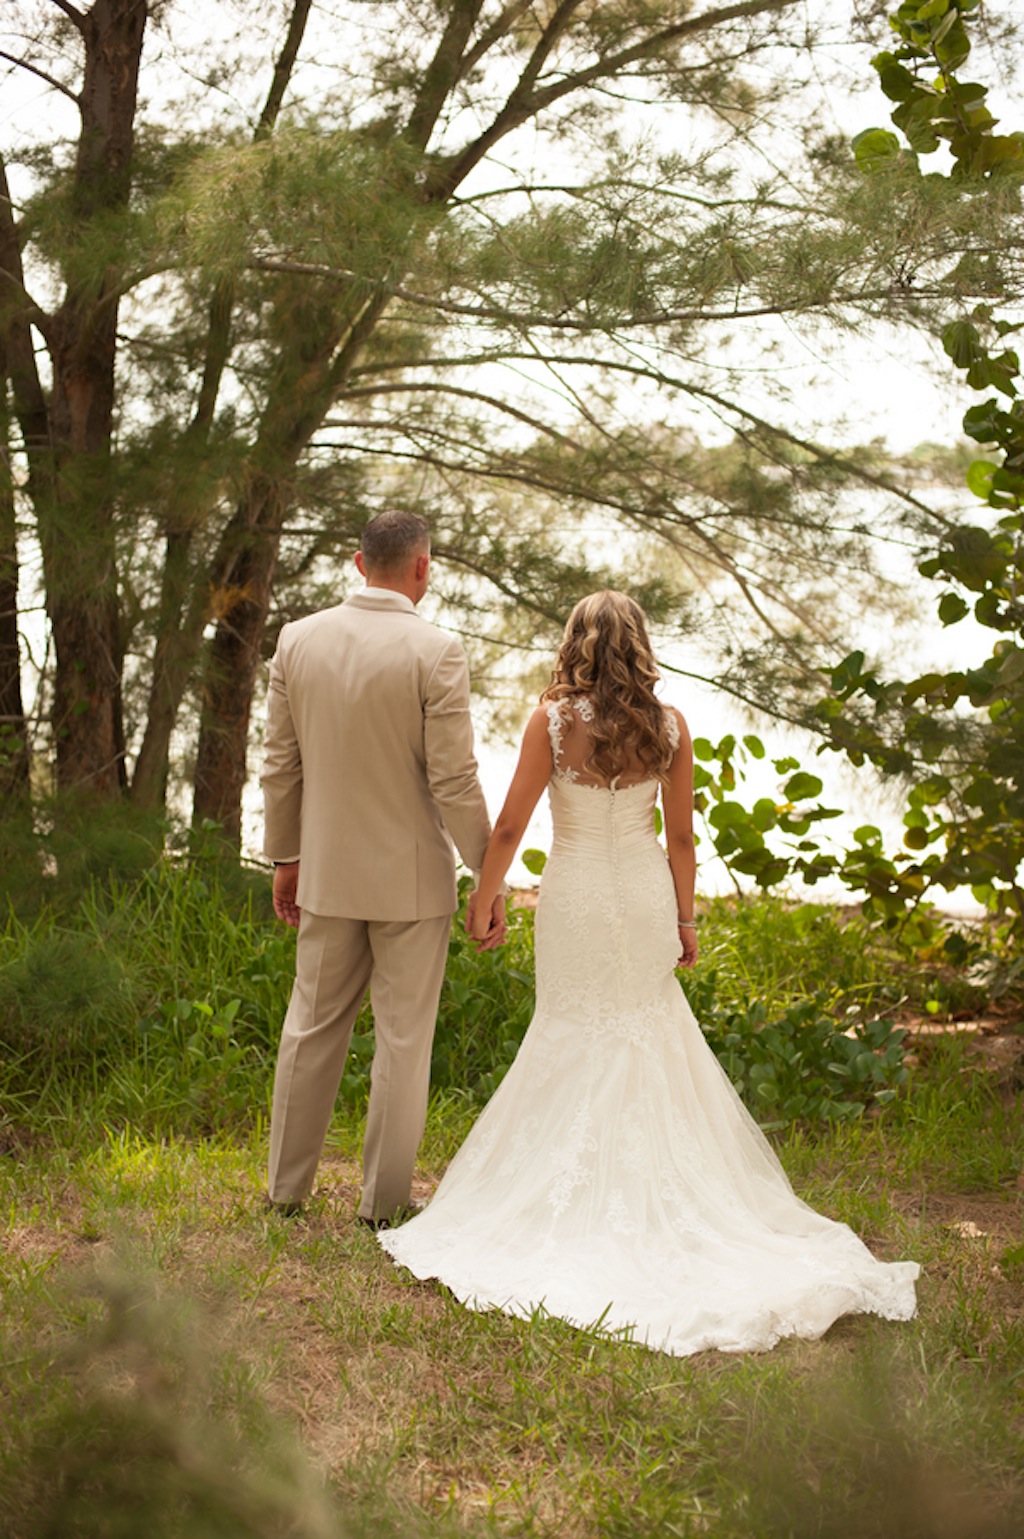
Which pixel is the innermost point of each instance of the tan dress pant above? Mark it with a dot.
(403, 962)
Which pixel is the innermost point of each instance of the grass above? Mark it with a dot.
(177, 1360)
(282, 1372)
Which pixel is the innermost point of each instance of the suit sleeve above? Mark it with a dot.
(281, 777)
(451, 764)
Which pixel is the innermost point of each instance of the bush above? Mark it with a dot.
(175, 985)
(802, 1065)
(64, 998)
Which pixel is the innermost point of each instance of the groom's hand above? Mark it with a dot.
(487, 929)
(286, 884)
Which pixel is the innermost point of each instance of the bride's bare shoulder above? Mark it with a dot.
(677, 726)
(539, 721)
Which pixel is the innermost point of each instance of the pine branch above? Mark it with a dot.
(442, 72)
(730, 409)
(544, 321)
(71, 12)
(493, 34)
(222, 300)
(726, 686)
(51, 80)
(283, 69)
(584, 190)
(457, 557)
(425, 387)
(712, 549)
(524, 103)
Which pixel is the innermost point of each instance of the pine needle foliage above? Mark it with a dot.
(527, 270)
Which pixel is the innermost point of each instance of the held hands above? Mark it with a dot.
(486, 926)
(688, 946)
(286, 883)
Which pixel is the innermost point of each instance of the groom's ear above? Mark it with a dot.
(422, 566)
(360, 563)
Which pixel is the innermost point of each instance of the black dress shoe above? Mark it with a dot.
(284, 1209)
(399, 1216)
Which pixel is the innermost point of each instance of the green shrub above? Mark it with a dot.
(175, 984)
(64, 998)
(803, 1064)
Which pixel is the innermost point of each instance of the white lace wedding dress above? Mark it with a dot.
(615, 1180)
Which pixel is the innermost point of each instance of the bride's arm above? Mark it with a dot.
(533, 772)
(677, 800)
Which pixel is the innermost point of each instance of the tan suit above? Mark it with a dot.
(368, 775)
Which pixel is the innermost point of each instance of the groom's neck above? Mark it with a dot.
(410, 581)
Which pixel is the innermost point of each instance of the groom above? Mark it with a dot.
(368, 776)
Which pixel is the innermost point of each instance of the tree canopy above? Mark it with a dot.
(524, 267)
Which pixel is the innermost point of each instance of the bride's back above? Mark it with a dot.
(571, 724)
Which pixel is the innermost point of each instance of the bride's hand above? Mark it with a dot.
(486, 927)
(688, 946)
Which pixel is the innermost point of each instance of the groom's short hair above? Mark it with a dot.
(391, 540)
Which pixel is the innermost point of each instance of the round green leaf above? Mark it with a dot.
(896, 81)
(979, 478)
(801, 785)
(951, 44)
(875, 147)
(951, 608)
(764, 814)
(962, 342)
(728, 815)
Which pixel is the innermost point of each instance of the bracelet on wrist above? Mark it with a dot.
(687, 924)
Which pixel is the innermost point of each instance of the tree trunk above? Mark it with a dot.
(328, 337)
(179, 638)
(14, 758)
(235, 653)
(181, 617)
(17, 365)
(77, 525)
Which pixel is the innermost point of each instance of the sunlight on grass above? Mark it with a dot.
(421, 1413)
(176, 1352)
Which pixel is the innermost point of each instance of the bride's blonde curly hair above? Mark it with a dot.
(606, 655)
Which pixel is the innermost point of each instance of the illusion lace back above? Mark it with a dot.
(615, 1179)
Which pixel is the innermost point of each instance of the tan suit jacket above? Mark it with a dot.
(369, 764)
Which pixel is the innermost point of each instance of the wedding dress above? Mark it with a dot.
(615, 1179)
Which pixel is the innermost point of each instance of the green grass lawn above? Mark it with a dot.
(179, 1360)
(175, 1360)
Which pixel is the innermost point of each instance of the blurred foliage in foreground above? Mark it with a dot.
(141, 1417)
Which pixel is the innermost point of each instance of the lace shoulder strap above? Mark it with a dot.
(672, 726)
(555, 730)
(559, 719)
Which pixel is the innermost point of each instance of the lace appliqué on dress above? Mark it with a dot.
(558, 723)
(556, 732)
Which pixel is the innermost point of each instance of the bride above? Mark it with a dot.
(615, 1180)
